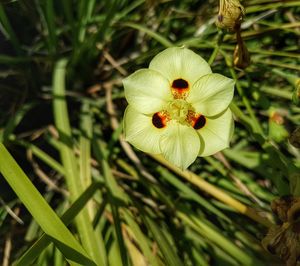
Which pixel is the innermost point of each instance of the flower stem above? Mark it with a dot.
(217, 47)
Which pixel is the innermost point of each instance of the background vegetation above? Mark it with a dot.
(62, 102)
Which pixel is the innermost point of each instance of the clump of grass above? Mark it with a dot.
(62, 104)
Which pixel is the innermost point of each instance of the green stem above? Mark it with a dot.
(217, 48)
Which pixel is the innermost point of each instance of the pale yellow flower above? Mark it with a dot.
(178, 107)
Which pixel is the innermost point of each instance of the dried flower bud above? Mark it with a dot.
(295, 138)
(280, 207)
(293, 213)
(284, 240)
(241, 56)
(230, 15)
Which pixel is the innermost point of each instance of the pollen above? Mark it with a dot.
(180, 88)
(159, 120)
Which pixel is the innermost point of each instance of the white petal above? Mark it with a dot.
(211, 94)
(147, 91)
(216, 134)
(175, 63)
(140, 132)
(180, 144)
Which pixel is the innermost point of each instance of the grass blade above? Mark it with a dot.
(37, 248)
(40, 210)
(69, 161)
(8, 30)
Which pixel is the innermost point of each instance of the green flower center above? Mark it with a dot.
(178, 110)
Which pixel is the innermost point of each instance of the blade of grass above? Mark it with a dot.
(86, 124)
(162, 40)
(214, 191)
(141, 238)
(46, 11)
(67, 7)
(85, 11)
(8, 30)
(166, 248)
(39, 154)
(260, 8)
(190, 194)
(69, 161)
(85, 145)
(116, 196)
(41, 211)
(11, 60)
(33, 252)
(217, 238)
(14, 121)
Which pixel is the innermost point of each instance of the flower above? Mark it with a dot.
(178, 107)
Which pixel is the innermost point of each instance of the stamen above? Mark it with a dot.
(159, 120)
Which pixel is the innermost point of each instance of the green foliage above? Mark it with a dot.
(62, 104)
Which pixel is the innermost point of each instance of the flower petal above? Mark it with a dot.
(180, 144)
(140, 132)
(211, 94)
(147, 91)
(180, 63)
(216, 134)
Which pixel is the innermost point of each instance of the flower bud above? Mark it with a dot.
(230, 15)
(277, 131)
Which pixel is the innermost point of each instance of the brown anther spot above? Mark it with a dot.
(158, 120)
(199, 122)
(180, 84)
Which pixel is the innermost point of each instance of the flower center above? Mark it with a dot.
(178, 110)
